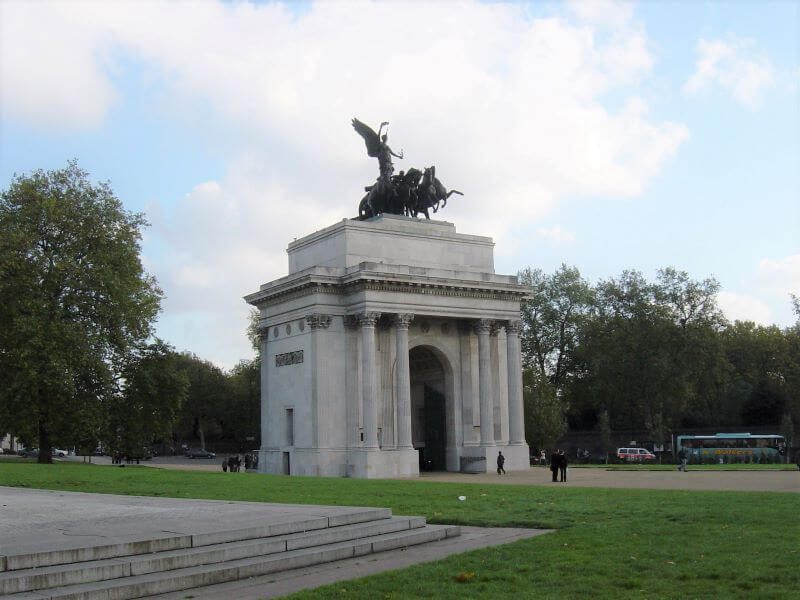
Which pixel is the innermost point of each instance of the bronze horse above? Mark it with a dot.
(430, 193)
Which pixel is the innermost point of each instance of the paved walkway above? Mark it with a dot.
(748, 481)
(695, 479)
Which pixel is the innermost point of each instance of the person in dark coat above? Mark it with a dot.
(562, 465)
(501, 460)
(554, 462)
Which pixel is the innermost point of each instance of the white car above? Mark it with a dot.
(58, 453)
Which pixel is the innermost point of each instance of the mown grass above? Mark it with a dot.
(610, 543)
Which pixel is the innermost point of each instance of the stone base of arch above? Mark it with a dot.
(382, 464)
(483, 459)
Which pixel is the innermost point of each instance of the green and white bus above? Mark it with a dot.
(731, 447)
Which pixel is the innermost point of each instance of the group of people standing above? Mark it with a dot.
(234, 463)
(558, 465)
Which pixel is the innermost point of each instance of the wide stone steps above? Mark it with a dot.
(208, 560)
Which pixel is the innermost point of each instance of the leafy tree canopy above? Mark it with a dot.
(74, 301)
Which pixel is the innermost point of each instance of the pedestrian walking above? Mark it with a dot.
(501, 460)
(562, 466)
(554, 462)
(684, 457)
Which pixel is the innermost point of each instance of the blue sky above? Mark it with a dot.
(601, 134)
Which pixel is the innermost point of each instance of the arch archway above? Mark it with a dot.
(431, 399)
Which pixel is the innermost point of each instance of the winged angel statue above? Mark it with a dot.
(408, 193)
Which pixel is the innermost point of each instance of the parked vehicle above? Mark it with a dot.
(199, 453)
(30, 453)
(635, 454)
(58, 453)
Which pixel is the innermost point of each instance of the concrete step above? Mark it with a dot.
(137, 586)
(23, 580)
(27, 560)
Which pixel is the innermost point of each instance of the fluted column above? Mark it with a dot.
(516, 413)
(482, 328)
(317, 322)
(403, 391)
(263, 334)
(367, 322)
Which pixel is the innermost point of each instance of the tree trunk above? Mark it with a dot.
(202, 437)
(45, 453)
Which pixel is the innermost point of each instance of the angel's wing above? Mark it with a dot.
(370, 137)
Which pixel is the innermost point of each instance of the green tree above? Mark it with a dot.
(792, 364)
(245, 404)
(759, 357)
(787, 431)
(208, 401)
(155, 387)
(552, 319)
(253, 333)
(650, 354)
(604, 428)
(545, 413)
(74, 301)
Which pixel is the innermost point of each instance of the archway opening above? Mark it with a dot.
(428, 408)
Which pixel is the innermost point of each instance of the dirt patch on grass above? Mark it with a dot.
(743, 481)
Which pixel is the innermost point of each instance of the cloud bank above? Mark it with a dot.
(735, 65)
(508, 105)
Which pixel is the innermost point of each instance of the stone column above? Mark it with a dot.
(516, 413)
(367, 322)
(317, 322)
(403, 389)
(263, 335)
(482, 328)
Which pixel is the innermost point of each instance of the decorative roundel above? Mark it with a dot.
(425, 326)
(275, 332)
(288, 329)
(301, 325)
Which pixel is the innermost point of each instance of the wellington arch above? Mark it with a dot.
(391, 346)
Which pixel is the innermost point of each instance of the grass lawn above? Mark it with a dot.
(610, 543)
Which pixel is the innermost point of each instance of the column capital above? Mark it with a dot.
(368, 319)
(318, 320)
(483, 326)
(513, 326)
(403, 320)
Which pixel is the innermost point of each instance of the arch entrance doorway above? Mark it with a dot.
(428, 408)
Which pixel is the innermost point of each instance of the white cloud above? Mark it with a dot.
(766, 299)
(735, 65)
(780, 276)
(509, 108)
(609, 13)
(52, 66)
(556, 234)
(740, 307)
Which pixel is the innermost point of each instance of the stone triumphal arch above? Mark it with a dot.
(391, 345)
